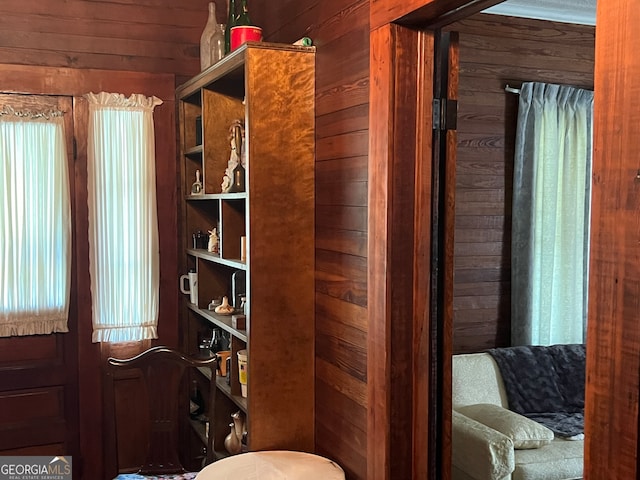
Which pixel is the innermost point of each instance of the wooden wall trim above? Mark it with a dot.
(424, 411)
(74, 82)
(424, 12)
(398, 358)
(442, 327)
(378, 339)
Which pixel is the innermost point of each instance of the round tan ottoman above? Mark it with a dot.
(272, 465)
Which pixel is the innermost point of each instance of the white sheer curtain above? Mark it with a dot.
(123, 223)
(550, 217)
(35, 224)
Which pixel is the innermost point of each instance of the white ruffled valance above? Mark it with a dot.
(8, 112)
(119, 100)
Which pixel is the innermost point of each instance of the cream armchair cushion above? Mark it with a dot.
(482, 452)
(523, 432)
(476, 379)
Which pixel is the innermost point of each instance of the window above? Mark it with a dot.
(35, 224)
(123, 225)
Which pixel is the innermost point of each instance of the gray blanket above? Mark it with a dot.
(545, 384)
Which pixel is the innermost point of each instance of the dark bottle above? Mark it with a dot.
(196, 401)
(243, 16)
(231, 22)
(216, 341)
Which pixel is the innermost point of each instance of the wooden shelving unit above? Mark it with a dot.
(270, 88)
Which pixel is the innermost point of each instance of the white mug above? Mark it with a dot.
(192, 278)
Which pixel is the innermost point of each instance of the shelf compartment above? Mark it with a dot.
(201, 216)
(219, 111)
(233, 213)
(215, 281)
(221, 383)
(239, 400)
(222, 321)
(189, 112)
(199, 429)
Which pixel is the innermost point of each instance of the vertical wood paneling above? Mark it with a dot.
(495, 51)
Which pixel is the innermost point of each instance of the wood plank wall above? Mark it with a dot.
(340, 30)
(147, 36)
(155, 36)
(495, 51)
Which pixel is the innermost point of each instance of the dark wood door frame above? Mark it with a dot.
(410, 258)
(396, 315)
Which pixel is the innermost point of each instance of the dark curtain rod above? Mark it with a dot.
(509, 89)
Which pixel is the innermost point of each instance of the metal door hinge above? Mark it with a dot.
(445, 114)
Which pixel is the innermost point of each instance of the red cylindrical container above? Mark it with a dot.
(245, 33)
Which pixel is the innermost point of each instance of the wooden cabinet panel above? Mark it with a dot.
(34, 405)
(43, 348)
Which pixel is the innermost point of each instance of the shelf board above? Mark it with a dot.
(221, 384)
(222, 321)
(199, 429)
(216, 196)
(216, 258)
(239, 400)
(205, 371)
(194, 152)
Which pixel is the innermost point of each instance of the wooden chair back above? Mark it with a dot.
(162, 370)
